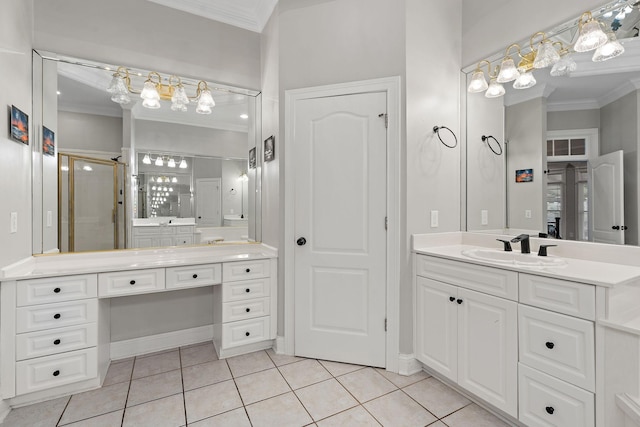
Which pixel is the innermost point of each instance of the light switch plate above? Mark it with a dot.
(527, 213)
(434, 219)
(484, 217)
(14, 222)
(49, 218)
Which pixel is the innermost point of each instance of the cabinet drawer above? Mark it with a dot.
(40, 317)
(546, 401)
(245, 332)
(233, 271)
(559, 345)
(197, 275)
(183, 240)
(56, 289)
(574, 299)
(130, 282)
(489, 280)
(54, 341)
(247, 289)
(184, 229)
(154, 230)
(240, 310)
(52, 371)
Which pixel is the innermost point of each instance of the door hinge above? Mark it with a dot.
(385, 324)
(386, 119)
(386, 223)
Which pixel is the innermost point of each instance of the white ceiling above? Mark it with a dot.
(248, 14)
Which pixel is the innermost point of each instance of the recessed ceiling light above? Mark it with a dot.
(244, 116)
(58, 92)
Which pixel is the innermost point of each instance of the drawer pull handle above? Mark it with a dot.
(56, 373)
(452, 299)
(132, 282)
(248, 270)
(247, 333)
(56, 342)
(247, 290)
(550, 410)
(248, 309)
(550, 345)
(56, 316)
(195, 276)
(459, 301)
(56, 290)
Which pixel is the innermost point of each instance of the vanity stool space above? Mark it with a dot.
(539, 346)
(55, 326)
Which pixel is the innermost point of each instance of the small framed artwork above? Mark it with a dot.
(48, 142)
(252, 158)
(269, 147)
(524, 175)
(19, 125)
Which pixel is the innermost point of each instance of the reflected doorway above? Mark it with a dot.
(91, 204)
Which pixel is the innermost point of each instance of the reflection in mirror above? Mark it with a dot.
(129, 175)
(578, 134)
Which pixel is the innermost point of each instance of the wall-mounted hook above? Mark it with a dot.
(488, 139)
(436, 130)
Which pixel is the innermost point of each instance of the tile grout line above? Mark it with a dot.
(126, 400)
(65, 408)
(184, 398)
(226, 360)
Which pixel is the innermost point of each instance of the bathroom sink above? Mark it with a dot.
(513, 258)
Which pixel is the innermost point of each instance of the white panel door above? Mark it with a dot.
(340, 208)
(488, 348)
(606, 177)
(208, 202)
(437, 326)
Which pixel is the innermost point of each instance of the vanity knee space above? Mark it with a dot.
(519, 342)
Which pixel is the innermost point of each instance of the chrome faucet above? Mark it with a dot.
(524, 243)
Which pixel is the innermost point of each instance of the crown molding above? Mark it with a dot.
(252, 15)
(518, 96)
(622, 90)
(583, 104)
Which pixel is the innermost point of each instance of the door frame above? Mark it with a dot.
(392, 87)
(197, 207)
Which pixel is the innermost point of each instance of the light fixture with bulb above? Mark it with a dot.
(155, 89)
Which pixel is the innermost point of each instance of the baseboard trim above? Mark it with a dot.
(278, 346)
(408, 364)
(159, 342)
(4, 410)
(630, 407)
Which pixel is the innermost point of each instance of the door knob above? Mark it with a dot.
(615, 227)
(301, 241)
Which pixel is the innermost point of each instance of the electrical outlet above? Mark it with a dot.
(434, 219)
(527, 213)
(484, 217)
(49, 218)
(14, 222)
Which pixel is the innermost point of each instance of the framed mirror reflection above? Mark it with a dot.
(136, 169)
(575, 126)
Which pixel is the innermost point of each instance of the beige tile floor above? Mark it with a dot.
(190, 386)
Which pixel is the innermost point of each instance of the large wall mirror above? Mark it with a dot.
(560, 154)
(117, 167)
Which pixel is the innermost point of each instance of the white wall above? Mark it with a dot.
(526, 125)
(233, 194)
(79, 131)
(576, 119)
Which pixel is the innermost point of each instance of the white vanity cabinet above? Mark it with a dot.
(469, 337)
(153, 236)
(49, 333)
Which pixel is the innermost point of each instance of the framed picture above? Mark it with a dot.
(252, 158)
(269, 147)
(19, 125)
(524, 175)
(48, 142)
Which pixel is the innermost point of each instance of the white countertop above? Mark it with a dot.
(451, 245)
(134, 259)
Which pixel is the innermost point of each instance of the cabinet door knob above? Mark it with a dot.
(56, 373)
(247, 333)
(195, 276)
(247, 290)
(452, 299)
(459, 301)
(248, 309)
(56, 342)
(56, 290)
(248, 270)
(56, 316)
(550, 345)
(132, 282)
(549, 410)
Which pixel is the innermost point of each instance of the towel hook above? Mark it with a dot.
(436, 130)
(488, 139)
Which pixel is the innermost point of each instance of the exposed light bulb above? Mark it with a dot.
(244, 116)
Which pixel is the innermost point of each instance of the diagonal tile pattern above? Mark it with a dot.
(191, 387)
